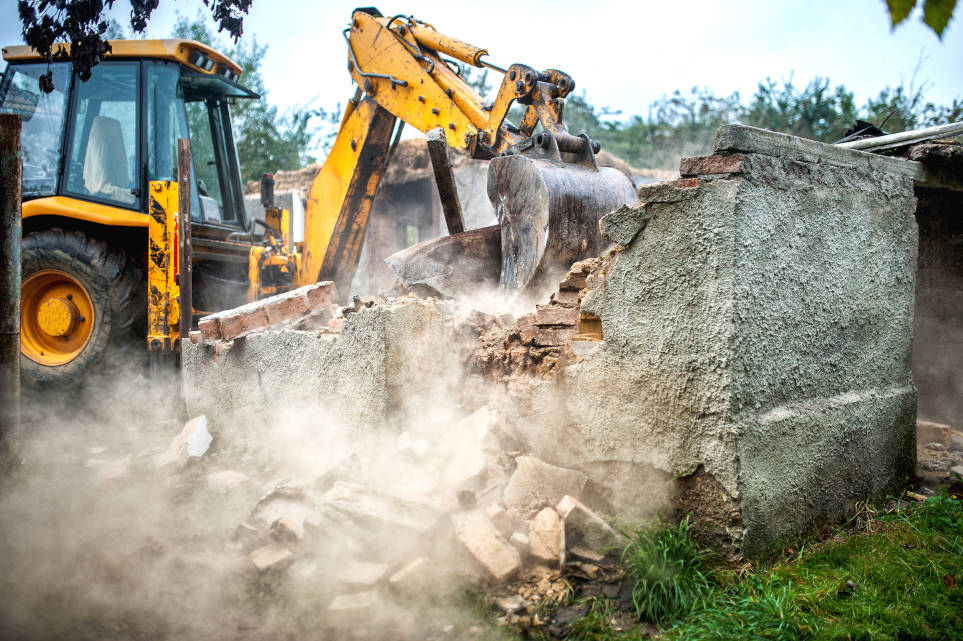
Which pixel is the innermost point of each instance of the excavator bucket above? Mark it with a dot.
(548, 209)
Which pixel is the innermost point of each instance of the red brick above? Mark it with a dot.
(719, 164)
(322, 294)
(686, 183)
(286, 307)
(565, 298)
(572, 282)
(551, 337)
(194, 336)
(243, 321)
(336, 325)
(210, 330)
(556, 316)
(525, 326)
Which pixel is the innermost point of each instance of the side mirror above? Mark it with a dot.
(267, 191)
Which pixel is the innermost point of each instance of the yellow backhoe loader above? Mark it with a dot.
(100, 169)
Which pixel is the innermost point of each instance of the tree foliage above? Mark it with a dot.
(683, 123)
(936, 13)
(47, 24)
(266, 140)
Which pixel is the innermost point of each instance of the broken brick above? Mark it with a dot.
(495, 556)
(192, 442)
(567, 298)
(415, 578)
(556, 316)
(336, 325)
(209, 329)
(547, 538)
(685, 183)
(718, 164)
(930, 432)
(536, 484)
(549, 337)
(272, 555)
(584, 526)
(572, 282)
(287, 530)
(242, 321)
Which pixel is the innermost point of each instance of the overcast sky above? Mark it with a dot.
(622, 54)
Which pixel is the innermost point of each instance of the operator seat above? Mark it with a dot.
(105, 163)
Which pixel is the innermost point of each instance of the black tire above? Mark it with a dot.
(116, 288)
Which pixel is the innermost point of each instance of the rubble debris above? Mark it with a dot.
(521, 542)
(192, 442)
(351, 609)
(282, 310)
(498, 559)
(547, 538)
(583, 526)
(114, 470)
(348, 468)
(378, 510)
(500, 518)
(226, 480)
(536, 484)
(415, 578)
(930, 432)
(361, 573)
(286, 530)
(282, 502)
(271, 556)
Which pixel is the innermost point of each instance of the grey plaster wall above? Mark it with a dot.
(758, 325)
(387, 358)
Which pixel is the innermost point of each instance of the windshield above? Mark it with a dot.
(42, 116)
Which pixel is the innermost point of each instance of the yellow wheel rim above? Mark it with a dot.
(56, 318)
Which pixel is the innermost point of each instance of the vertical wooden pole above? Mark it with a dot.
(10, 232)
(445, 180)
(184, 233)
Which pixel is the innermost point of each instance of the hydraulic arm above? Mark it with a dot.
(402, 70)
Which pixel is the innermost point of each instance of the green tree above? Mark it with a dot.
(266, 140)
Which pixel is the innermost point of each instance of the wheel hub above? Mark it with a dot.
(56, 318)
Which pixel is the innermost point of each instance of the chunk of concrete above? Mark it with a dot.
(547, 538)
(361, 573)
(226, 481)
(536, 484)
(271, 556)
(378, 510)
(192, 442)
(585, 527)
(287, 531)
(520, 542)
(930, 432)
(415, 578)
(501, 519)
(352, 609)
(498, 560)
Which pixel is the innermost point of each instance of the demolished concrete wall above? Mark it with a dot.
(757, 329)
(387, 357)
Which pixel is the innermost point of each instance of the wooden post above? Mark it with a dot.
(445, 180)
(10, 231)
(185, 274)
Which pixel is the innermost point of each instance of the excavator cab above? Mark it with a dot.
(90, 151)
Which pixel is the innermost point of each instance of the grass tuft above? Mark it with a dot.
(669, 572)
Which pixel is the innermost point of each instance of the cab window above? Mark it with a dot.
(166, 122)
(216, 166)
(42, 117)
(103, 150)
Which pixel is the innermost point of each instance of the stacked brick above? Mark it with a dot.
(536, 343)
(311, 306)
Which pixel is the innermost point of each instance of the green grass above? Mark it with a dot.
(668, 570)
(895, 575)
